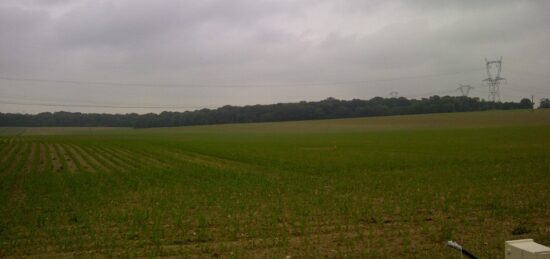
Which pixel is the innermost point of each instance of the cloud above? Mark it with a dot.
(271, 48)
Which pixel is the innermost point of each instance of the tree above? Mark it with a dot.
(526, 103)
(544, 103)
(325, 109)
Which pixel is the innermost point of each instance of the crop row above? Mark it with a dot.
(18, 155)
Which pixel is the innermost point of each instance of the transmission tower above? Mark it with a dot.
(394, 94)
(464, 89)
(493, 79)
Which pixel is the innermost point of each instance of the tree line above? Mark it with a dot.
(329, 108)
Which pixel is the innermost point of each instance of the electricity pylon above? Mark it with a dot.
(493, 79)
(394, 94)
(464, 89)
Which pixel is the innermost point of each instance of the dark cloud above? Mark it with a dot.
(277, 50)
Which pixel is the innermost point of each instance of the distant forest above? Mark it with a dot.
(329, 108)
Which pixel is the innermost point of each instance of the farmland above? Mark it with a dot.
(365, 187)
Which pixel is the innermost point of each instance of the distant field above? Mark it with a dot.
(384, 187)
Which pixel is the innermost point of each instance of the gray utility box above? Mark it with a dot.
(526, 249)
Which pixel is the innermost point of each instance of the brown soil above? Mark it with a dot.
(71, 165)
(16, 193)
(95, 163)
(56, 162)
(6, 152)
(5, 147)
(225, 164)
(143, 159)
(18, 156)
(41, 167)
(134, 161)
(79, 158)
(103, 159)
(30, 159)
(205, 160)
(116, 159)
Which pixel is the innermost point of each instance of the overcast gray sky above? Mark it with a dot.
(208, 53)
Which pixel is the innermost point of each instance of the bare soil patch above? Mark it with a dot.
(54, 158)
(208, 161)
(31, 160)
(6, 152)
(5, 147)
(93, 161)
(141, 160)
(18, 156)
(102, 159)
(83, 163)
(116, 159)
(71, 165)
(41, 166)
(16, 193)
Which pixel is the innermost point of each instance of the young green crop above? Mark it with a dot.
(376, 187)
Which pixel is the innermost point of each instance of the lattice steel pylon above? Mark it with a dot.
(494, 68)
(464, 89)
(394, 94)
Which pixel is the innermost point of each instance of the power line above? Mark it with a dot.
(32, 103)
(529, 73)
(99, 105)
(440, 92)
(529, 87)
(522, 90)
(192, 107)
(88, 83)
(220, 85)
(505, 94)
(430, 94)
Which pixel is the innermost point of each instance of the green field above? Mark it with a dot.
(384, 187)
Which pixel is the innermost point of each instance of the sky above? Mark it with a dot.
(122, 56)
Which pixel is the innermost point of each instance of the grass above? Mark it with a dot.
(368, 187)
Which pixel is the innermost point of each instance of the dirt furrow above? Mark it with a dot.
(140, 159)
(14, 167)
(222, 163)
(210, 161)
(102, 159)
(92, 160)
(68, 161)
(79, 159)
(7, 152)
(144, 159)
(23, 164)
(13, 158)
(42, 163)
(54, 158)
(5, 147)
(194, 159)
(30, 163)
(112, 161)
(115, 158)
(133, 159)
